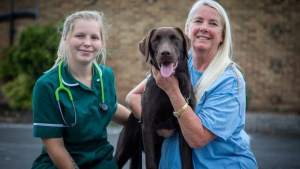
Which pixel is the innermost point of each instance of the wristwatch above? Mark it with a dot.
(178, 114)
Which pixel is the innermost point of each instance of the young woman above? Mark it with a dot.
(76, 99)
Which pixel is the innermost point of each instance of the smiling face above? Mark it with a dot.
(85, 41)
(206, 29)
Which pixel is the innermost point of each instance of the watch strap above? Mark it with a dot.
(180, 111)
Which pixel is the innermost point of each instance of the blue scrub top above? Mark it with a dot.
(222, 111)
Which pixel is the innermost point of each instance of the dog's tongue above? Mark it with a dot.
(166, 69)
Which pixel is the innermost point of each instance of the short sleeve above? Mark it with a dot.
(220, 110)
(45, 111)
(220, 115)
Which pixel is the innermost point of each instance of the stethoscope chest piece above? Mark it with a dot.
(103, 107)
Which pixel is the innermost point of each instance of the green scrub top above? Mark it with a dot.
(87, 140)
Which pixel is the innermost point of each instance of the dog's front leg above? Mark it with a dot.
(149, 147)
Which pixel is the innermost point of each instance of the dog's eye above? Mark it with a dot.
(175, 39)
(155, 40)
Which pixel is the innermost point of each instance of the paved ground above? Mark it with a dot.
(18, 148)
(276, 123)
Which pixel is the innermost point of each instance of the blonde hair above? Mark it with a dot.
(225, 51)
(63, 51)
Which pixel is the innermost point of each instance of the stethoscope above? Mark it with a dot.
(102, 107)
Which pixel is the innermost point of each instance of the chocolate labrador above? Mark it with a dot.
(167, 48)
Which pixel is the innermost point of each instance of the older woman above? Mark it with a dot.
(215, 129)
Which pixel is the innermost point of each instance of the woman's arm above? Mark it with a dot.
(58, 153)
(121, 115)
(134, 99)
(191, 126)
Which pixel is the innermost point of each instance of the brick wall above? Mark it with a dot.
(266, 35)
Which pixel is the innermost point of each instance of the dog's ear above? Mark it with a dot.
(145, 45)
(186, 42)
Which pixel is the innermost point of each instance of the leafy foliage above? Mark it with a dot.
(24, 63)
(18, 91)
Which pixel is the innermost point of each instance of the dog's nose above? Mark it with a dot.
(165, 52)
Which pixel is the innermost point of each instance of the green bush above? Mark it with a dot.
(19, 92)
(25, 62)
(7, 68)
